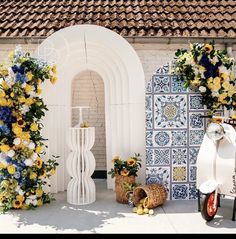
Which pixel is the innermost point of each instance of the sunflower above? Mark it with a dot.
(131, 162)
(124, 172)
(208, 48)
(17, 204)
(39, 163)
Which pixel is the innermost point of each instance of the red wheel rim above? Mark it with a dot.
(211, 210)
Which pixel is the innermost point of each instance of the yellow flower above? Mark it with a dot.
(40, 202)
(39, 192)
(21, 99)
(12, 94)
(2, 197)
(216, 81)
(4, 148)
(11, 55)
(231, 90)
(208, 48)
(54, 69)
(17, 204)
(20, 122)
(29, 75)
(5, 85)
(25, 136)
(3, 102)
(33, 175)
(224, 76)
(28, 88)
(39, 163)
(222, 97)
(2, 165)
(53, 80)
(24, 206)
(115, 158)
(131, 162)
(11, 169)
(2, 94)
(20, 198)
(34, 127)
(124, 172)
(38, 149)
(39, 81)
(39, 91)
(16, 129)
(29, 101)
(226, 85)
(52, 171)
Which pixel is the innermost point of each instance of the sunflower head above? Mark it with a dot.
(208, 48)
(17, 204)
(124, 172)
(131, 162)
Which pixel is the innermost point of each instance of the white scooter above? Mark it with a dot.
(216, 168)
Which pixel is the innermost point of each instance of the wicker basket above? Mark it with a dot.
(121, 193)
(154, 194)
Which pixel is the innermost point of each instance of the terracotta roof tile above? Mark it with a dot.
(172, 18)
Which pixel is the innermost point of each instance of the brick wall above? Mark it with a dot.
(88, 90)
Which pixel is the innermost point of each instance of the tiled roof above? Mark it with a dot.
(172, 18)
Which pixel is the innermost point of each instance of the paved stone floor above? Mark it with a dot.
(107, 216)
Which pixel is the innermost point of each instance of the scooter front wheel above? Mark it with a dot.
(208, 210)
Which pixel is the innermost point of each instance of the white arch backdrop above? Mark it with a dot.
(88, 47)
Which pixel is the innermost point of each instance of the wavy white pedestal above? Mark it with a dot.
(81, 165)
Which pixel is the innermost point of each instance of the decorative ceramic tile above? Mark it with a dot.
(149, 87)
(193, 153)
(192, 191)
(149, 138)
(158, 175)
(171, 111)
(179, 138)
(161, 84)
(179, 174)
(179, 156)
(162, 138)
(195, 102)
(174, 132)
(149, 157)
(192, 173)
(196, 121)
(177, 86)
(164, 70)
(180, 191)
(162, 156)
(196, 137)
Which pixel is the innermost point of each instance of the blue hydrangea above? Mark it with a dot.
(6, 115)
(4, 130)
(21, 78)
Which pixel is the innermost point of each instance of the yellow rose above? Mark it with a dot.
(28, 88)
(38, 149)
(53, 80)
(33, 175)
(39, 81)
(11, 169)
(224, 76)
(5, 85)
(29, 101)
(16, 129)
(3, 102)
(34, 127)
(4, 148)
(52, 171)
(2, 165)
(2, 94)
(39, 91)
(39, 192)
(226, 85)
(54, 69)
(222, 97)
(25, 136)
(20, 198)
(216, 81)
(231, 90)
(40, 202)
(29, 75)
(21, 99)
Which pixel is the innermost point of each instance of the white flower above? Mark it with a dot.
(215, 93)
(24, 109)
(16, 141)
(34, 156)
(25, 143)
(4, 162)
(32, 197)
(31, 145)
(11, 153)
(17, 189)
(35, 203)
(28, 201)
(202, 89)
(29, 162)
(223, 69)
(21, 192)
(10, 80)
(23, 85)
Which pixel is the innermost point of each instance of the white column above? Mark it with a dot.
(81, 165)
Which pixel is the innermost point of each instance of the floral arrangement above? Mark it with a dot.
(125, 167)
(23, 173)
(209, 71)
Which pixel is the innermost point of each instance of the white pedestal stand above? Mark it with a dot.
(81, 165)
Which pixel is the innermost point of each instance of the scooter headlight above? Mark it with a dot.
(215, 131)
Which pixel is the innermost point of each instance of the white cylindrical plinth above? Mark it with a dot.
(81, 165)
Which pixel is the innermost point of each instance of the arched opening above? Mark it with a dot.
(87, 47)
(88, 90)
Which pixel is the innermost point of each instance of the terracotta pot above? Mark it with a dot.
(121, 193)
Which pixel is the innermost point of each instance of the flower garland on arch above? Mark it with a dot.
(209, 71)
(23, 173)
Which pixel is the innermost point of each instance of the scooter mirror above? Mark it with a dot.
(215, 131)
